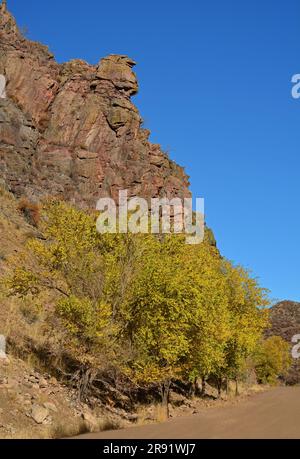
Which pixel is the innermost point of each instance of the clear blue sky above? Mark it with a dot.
(215, 90)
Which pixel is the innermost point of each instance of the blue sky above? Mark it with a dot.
(215, 90)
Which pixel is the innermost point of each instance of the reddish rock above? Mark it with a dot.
(71, 130)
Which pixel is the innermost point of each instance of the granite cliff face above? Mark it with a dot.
(285, 322)
(71, 130)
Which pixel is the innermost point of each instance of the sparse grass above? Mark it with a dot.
(161, 415)
(109, 424)
(81, 427)
(74, 429)
(13, 226)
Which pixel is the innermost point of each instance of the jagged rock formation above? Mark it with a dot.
(285, 321)
(71, 130)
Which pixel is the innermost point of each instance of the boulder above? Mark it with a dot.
(3, 355)
(50, 407)
(39, 414)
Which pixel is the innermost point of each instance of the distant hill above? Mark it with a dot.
(285, 319)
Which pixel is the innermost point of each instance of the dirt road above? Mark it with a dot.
(272, 414)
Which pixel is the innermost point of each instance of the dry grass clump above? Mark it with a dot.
(81, 427)
(30, 211)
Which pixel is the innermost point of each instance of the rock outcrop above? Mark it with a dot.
(285, 321)
(72, 131)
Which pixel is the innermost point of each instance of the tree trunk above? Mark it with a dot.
(219, 384)
(165, 396)
(203, 388)
(193, 389)
(198, 392)
(227, 386)
(237, 393)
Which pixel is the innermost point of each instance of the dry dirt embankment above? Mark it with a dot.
(268, 415)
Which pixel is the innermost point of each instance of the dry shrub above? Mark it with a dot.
(81, 427)
(63, 430)
(30, 211)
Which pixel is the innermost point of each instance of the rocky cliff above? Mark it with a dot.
(285, 321)
(71, 130)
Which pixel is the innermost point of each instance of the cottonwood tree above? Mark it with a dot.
(208, 303)
(248, 318)
(84, 274)
(272, 359)
(158, 314)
